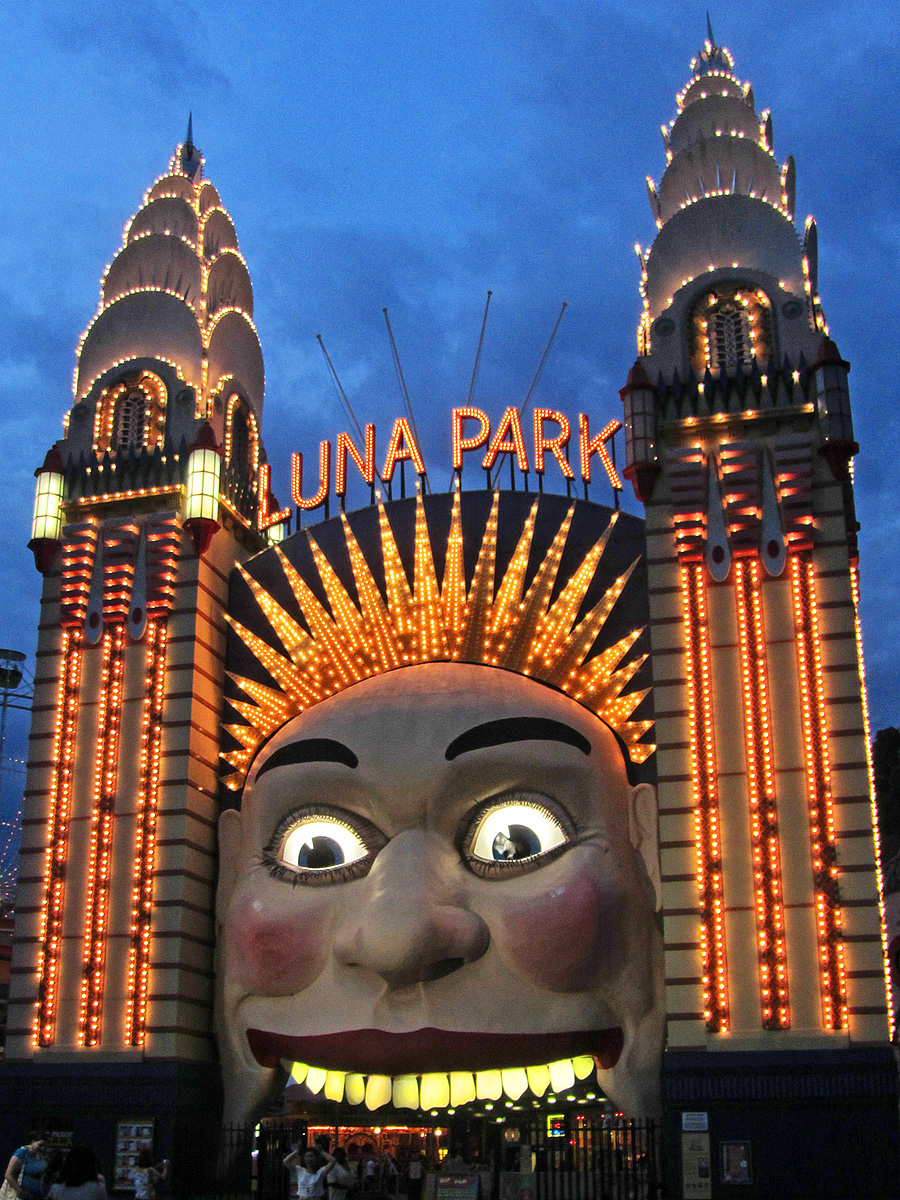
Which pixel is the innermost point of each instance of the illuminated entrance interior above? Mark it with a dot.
(364, 1142)
(478, 1131)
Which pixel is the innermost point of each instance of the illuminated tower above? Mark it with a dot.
(739, 443)
(110, 1011)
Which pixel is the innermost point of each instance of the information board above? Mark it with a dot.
(696, 1177)
(736, 1162)
(133, 1134)
(457, 1187)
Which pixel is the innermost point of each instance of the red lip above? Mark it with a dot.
(375, 1052)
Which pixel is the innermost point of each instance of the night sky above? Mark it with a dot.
(413, 156)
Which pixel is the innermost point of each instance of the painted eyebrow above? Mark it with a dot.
(516, 729)
(310, 750)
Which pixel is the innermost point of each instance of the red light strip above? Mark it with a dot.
(705, 799)
(97, 906)
(773, 984)
(145, 839)
(821, 813)
(50, 935)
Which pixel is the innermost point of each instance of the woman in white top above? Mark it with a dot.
(310, 1176)
(145, 1175)
(342, 1178)
(81, 1178)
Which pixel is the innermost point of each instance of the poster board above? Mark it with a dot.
(457, 1187)
(736, 1162)
(133, 1134)
(696, 1176)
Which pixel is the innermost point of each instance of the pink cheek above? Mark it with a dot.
(276, 955)
(569, 936)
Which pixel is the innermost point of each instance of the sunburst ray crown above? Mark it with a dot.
(496, 626)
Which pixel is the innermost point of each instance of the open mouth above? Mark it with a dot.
(436, 1068)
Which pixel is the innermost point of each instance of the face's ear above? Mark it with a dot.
(643, 830)
(230, 834)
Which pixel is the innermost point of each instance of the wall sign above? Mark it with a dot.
(133, 1134)
(696, 1177)
(551, 435)
(735, 1162)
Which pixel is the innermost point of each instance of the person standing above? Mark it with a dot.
(310, 1176)
(81, 1178)
(146, 1176)
(341, 1179)
(371, 1172)
(416, 1173)
(25, 1172)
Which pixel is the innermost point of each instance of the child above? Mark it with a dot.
(146, 1176)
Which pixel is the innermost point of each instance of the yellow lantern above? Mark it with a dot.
(201, 504)
(47, 523)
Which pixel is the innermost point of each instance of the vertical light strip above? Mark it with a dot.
(854, 583)
(50, 936)
(145, 835)
(821, 812)
(705, 798)
(97, 906)
(767, 887)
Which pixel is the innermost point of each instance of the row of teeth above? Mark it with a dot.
(442, 1091)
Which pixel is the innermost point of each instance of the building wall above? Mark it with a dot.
(179, 662)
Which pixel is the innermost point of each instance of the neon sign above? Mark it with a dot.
(551, 435)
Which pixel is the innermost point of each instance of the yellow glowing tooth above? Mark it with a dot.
(299, 1071)
(434, 1091)
(488, 1085)
(334, 1085)
(378, 1091)
(515, 1081)
(561, 1075)
(462, 1087)
(406, 1092)
(538, 1079)
(354, 1089)
(583, 1066)
(315, 1079)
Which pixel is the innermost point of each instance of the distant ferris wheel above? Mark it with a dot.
(16, 691)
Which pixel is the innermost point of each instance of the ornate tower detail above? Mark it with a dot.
(137, 524)
(739, 439)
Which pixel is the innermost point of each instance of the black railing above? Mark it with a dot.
(576, 1157)
(237, 491)
(597, 1158)
(136, 469)
(130, 469)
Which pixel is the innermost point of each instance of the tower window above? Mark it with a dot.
(130, 421)
(131, 413)
(241, 441)
(240, 445)
(730, 328)
(729, 338)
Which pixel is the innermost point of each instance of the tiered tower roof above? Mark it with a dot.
(178, 291)
(725, 201)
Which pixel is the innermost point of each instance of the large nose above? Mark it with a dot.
(411, 925)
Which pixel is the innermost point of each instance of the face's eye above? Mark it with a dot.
(514, 831)
(319, 843)
(322, 846)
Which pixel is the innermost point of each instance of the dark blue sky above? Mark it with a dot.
(413, 156)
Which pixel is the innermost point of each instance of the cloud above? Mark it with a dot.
(156, 40)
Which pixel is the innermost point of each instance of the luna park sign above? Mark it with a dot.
(471, 432)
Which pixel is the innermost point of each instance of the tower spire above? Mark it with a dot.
(191, 157)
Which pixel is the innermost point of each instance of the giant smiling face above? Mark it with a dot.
(442, 869)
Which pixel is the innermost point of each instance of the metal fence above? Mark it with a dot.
(597, 1158)
(589, 1157)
